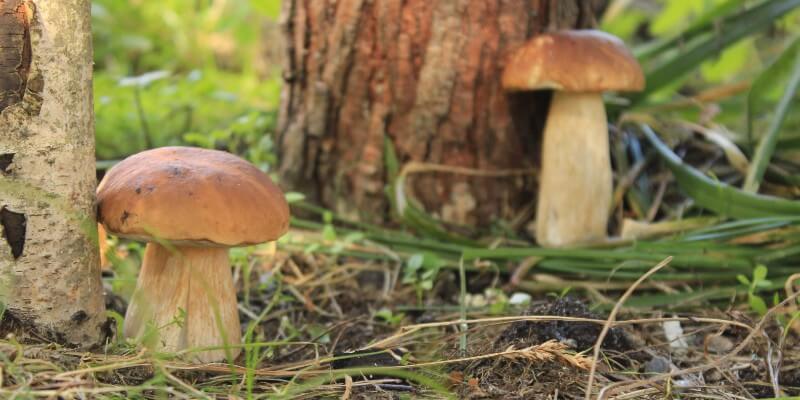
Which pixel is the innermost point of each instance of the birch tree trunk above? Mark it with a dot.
(424, 74)
(49, 272)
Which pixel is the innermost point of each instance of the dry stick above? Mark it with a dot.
(662, 189)
(550, 350)
(627, 181)
(182, 384)
(710, 95)
(773, 368)
(348, 387)
(611, 317)
(417, 167)
(73, 392)
(407, 330)
(753, 331)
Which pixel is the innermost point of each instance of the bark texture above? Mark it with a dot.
(49, 272)
(426, 76)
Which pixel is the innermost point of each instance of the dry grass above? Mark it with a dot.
(307, 311)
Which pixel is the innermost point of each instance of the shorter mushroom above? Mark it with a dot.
(191, 205)
(102, 242)
(575, 183)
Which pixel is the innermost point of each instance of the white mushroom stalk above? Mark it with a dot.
(575, 183)
(185, 299)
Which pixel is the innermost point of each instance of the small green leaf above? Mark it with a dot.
(432, 261)
(743, 280)
(759, 273)
(328, 233)
(353, 237)
(415, 261)
(294, 197)
(757, 304)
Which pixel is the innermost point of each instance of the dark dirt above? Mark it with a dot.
(502, 378)
(366, 358)
(579, 336)
(340, 313)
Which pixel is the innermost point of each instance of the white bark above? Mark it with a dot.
(51, 285)
(575, 184)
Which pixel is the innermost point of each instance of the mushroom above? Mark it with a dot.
(191, 205)
(102, 242)
(576, 178)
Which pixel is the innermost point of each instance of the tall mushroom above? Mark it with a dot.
(576, 179)
(190, 205)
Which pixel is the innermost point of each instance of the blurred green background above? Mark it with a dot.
(202, 72)
(207, 72)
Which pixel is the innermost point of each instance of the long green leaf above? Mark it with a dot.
(766, 146)
(717, 196)
(702, 24)
(685, 299)
(715, 38)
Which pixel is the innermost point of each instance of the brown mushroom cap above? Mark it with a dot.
(191, 196)
(573, 61)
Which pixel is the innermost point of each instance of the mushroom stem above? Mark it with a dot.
(187, 293)
(575, 183)
(102, 242)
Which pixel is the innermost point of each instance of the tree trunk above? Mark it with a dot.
(426, 76)
(49, 273)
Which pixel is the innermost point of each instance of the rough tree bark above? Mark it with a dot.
(49, 273)
(426, 75)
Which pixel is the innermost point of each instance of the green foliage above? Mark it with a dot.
(717, 196)
(269, 8)
(677, 14)
(676, 24)
(200, 108)
(421, 270)
(387, 316)
(134, 37)
(768, 142)
(769, 85)
(759, 281)
(185, 72)
(687, 51)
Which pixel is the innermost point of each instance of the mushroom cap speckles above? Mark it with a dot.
(191, 196)
(573, 61)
